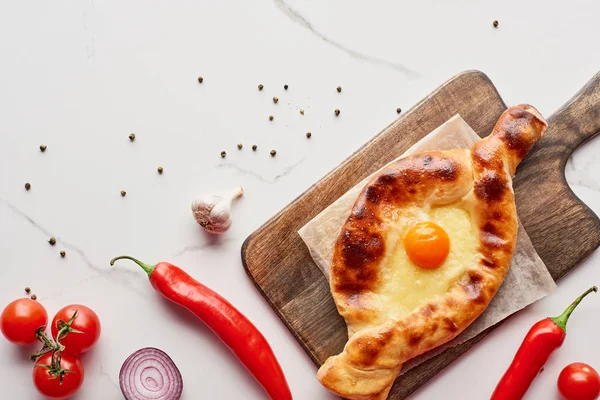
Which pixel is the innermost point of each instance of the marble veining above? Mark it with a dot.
(106, 375)
(111, 275)
(202, 246)
(295, 16)
(245, 171)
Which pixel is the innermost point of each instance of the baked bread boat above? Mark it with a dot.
(426, 247)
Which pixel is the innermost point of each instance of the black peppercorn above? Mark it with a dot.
(223, 154)
(495, 23)
(63, 253)
(52, 240)
(285, 87)
(43, 147)
(273, 152)
(200, 79)
(336, 112)
(398, 110)
(132, 136)
(308, 134)
(253, 147)
(27, 186)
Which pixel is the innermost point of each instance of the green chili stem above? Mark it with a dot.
(562, 319)
(146, 267)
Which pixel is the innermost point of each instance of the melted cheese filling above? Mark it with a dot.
(405, 286)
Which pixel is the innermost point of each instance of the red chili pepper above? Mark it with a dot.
(542, 339)
(230, 325)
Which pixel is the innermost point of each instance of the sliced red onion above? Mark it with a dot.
(150, 374)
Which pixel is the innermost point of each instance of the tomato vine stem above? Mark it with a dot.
(55, 347)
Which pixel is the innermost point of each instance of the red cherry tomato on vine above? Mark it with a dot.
(86, 322)
(20, 319)
(50, 386)
(579, 381)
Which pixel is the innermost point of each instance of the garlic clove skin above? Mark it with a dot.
(202, 207)
(213, 213)
(220, 216)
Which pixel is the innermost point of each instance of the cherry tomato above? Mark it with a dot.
(20, 319)
(50, 386)
(579, 381)
(86, 321)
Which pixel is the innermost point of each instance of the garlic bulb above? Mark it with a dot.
(213, 213)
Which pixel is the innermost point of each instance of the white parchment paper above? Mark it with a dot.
(527, 281)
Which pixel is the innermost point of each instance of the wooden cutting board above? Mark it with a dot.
(562, 228)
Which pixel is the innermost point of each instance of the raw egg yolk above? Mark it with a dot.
(427, 245)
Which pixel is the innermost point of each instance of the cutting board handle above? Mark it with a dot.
(571, 223)
(578, 120)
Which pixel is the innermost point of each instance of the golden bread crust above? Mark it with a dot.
(480, 181)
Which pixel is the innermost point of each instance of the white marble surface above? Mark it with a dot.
(80, 76)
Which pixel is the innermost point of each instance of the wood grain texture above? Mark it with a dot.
(562, 229)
